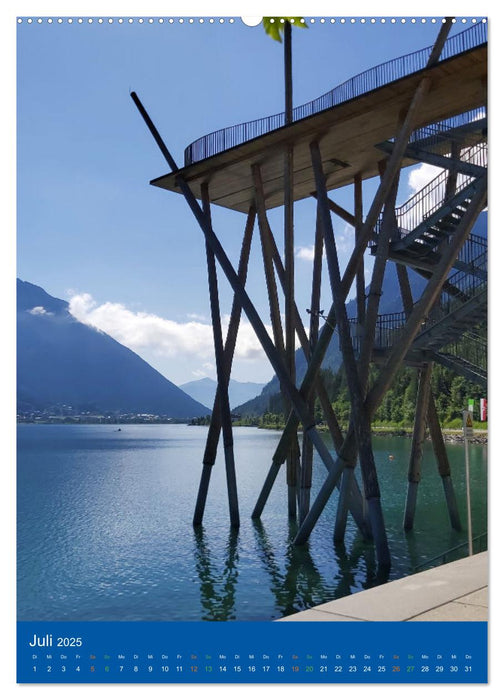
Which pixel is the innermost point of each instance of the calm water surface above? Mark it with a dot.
(105, 526)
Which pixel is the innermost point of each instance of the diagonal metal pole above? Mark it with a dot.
(214, 429)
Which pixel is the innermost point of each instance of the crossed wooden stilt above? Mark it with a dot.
(357, 443)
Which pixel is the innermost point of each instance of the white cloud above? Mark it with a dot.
(421, 176)
(305, 253)
(345, 240)
(40, 311)
(144, 332)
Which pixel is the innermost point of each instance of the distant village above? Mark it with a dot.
(66, 414)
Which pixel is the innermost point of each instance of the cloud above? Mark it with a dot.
(305, 253)
(144, 332)
(421, 176)
(40, 311)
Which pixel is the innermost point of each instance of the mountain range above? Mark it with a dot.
(203, 390)
(63, 362)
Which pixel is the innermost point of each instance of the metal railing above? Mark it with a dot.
(369, 80)
(448, 129)
(424, 203)
(469, 348)
(461, 286)
(480, 544)
(387, 330)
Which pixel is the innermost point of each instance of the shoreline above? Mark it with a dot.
(451, 435)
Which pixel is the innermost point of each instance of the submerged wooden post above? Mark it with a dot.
(290, 430)
(293, 454)
(307, 450)
(415, 463)
(443, 463)
(360, 416)
(214, 429)
(222, 375)
(267, 249)
(398, 352)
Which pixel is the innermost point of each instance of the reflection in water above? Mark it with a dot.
(295, 581)
(298, 584)
(217, 588)
(301, 586)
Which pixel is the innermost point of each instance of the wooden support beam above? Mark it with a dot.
(319, 387)
(307, 449)
(264, 229)
(290, 431)
(359, 415)
(443, 463)
(437, 49)
(341, 212)
(276, 359)
(417, 443)
(435, 432)
(375, 288)
(393, 165)
(397, 354)
(293, 454)
(222, 374)
(290, 333)
(214, 429)
(360, 283)
(267, 241)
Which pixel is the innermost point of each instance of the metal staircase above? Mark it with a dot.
(454, 334)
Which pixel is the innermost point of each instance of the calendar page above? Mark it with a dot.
(252, 349)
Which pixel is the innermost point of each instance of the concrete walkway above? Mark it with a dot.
(456, 592)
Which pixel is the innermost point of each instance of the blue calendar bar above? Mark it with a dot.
(252, 652)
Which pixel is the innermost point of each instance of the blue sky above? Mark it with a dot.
(91, 230)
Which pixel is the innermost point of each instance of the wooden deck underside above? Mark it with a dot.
(347, 134)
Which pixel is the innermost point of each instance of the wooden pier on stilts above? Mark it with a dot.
(428, 109)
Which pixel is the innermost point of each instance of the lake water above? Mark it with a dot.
(105, 526)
